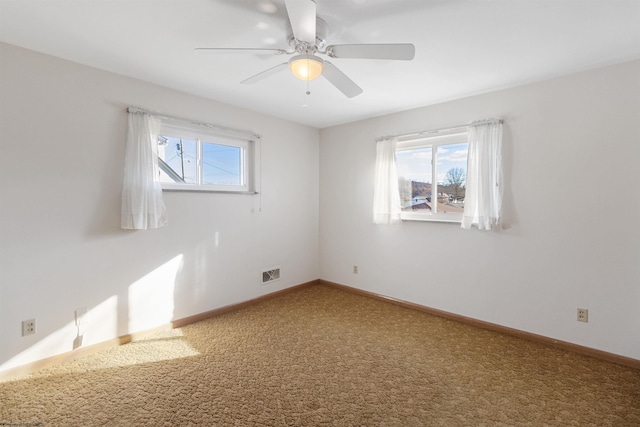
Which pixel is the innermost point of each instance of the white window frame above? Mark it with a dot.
(440, 139)
(201, 134)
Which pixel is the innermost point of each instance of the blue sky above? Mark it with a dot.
(221, 163)
(415, 165)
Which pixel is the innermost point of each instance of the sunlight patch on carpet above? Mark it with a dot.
(160, 346)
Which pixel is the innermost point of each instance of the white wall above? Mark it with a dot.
(571, 150)
(572, 156)
(62, 132)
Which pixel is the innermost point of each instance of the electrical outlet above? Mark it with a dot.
(583, 315)
(28, 327)
(355, 269)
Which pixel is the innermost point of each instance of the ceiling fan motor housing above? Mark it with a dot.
(322, 28)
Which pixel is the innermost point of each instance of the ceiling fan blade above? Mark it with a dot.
(302, 15)
(404, 51)
(233, 50)
(266, 73)
(340, 80)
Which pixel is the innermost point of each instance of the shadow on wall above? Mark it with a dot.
(148, 304)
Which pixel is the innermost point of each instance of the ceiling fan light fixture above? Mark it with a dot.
(306, 67)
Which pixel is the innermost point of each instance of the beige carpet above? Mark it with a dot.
(323, 357)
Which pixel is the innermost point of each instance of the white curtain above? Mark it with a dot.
(142, 205)
(386, 197)
(483, 197)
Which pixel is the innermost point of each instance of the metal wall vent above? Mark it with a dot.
(270, 275)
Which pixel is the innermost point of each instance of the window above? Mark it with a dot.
(432, 176)
(197, 158)
(450, 175)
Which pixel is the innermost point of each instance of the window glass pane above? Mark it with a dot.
(221, 164)
(196, 159)
(179, 160)
(414, 179)
(452, 174)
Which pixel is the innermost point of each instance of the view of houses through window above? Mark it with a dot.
(432, 175)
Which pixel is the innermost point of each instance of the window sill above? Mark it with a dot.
(194, 189)
(447, 218)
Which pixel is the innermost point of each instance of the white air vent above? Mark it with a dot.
(270, 275)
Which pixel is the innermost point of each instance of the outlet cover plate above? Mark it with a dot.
(28, 327)
(583, 315)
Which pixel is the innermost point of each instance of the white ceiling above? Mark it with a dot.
(463, 47)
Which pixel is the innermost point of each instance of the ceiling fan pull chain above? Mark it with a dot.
(308, 91)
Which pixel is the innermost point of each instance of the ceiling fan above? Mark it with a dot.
(307, 38)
